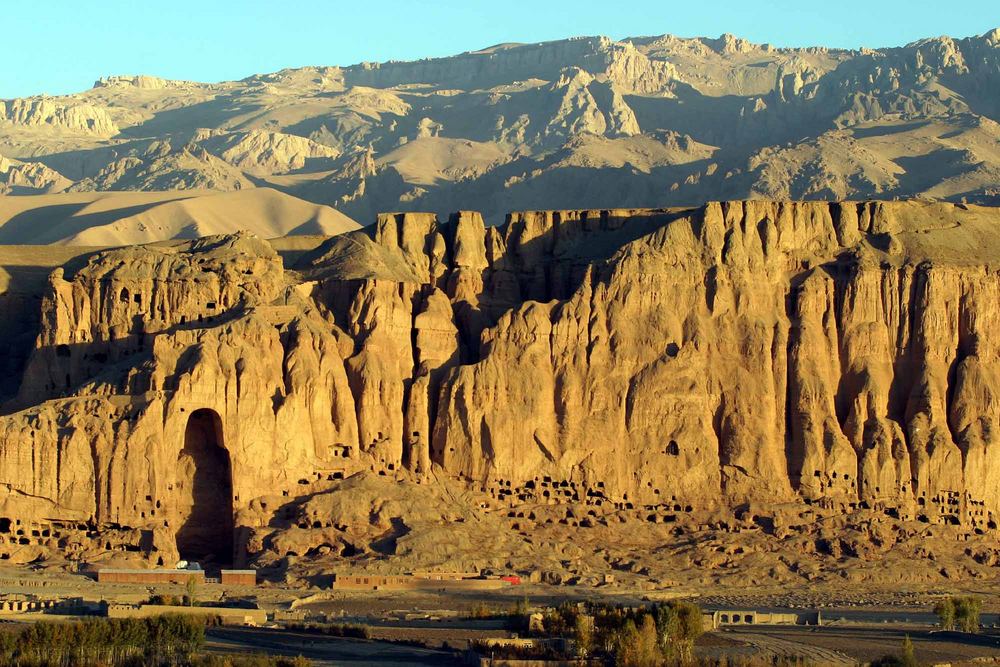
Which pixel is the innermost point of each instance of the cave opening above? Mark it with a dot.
(204, 491)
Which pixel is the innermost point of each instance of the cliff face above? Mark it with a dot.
(741, 352)
(41, 112)
(836, 354)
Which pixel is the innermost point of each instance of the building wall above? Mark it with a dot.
(752, 617)
(239, 577)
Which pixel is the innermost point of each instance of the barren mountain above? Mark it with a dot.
(588, 122)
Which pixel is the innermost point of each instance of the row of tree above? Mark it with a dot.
(628, 636)
(650, 636)
(159, 640)
(171, 640)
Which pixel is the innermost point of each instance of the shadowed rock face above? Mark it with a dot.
(743, 352)
(204, 491)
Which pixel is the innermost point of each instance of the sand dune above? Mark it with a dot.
(107, 219)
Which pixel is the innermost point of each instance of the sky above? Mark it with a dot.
(63, 46)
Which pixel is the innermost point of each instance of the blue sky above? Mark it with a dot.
(62, 46)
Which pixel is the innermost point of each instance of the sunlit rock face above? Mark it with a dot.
(180, 397)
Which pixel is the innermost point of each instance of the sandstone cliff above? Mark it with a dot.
(761, 354)
(29, 178)
(73, 117)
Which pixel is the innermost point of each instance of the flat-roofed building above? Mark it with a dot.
(238, 578)
(729, 617)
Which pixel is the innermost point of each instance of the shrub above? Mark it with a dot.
(332, 630)
(168, 600)
(517, 652)
(482, 610)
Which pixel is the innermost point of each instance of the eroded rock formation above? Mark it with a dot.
(74, 117)
(737, 354)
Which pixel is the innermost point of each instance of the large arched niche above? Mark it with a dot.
(204, 492)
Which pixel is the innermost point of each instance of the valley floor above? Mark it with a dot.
(860, 623)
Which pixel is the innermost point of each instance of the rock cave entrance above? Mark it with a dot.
(204, 492)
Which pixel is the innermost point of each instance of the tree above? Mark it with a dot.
(945, 611)
(190, 591)
(679, 624)
(957, 612)
(967, 613)
(638, 646)
(583, 633)
(649, 645)
(908, 658)
(623, 643)
(157, 640)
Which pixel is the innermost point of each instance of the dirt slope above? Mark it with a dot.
(109, 219)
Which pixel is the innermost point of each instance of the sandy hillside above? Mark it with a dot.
(105, 219)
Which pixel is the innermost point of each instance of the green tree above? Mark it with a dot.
(638, 646)
(583, 633)
(163, 640)
(649, 646)
(945, 611)
(623, 643)
(190, 591)
(958, 612)
(967, 613)
(908, 657)
(679, 624)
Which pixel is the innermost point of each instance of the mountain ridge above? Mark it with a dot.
(527, 126)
